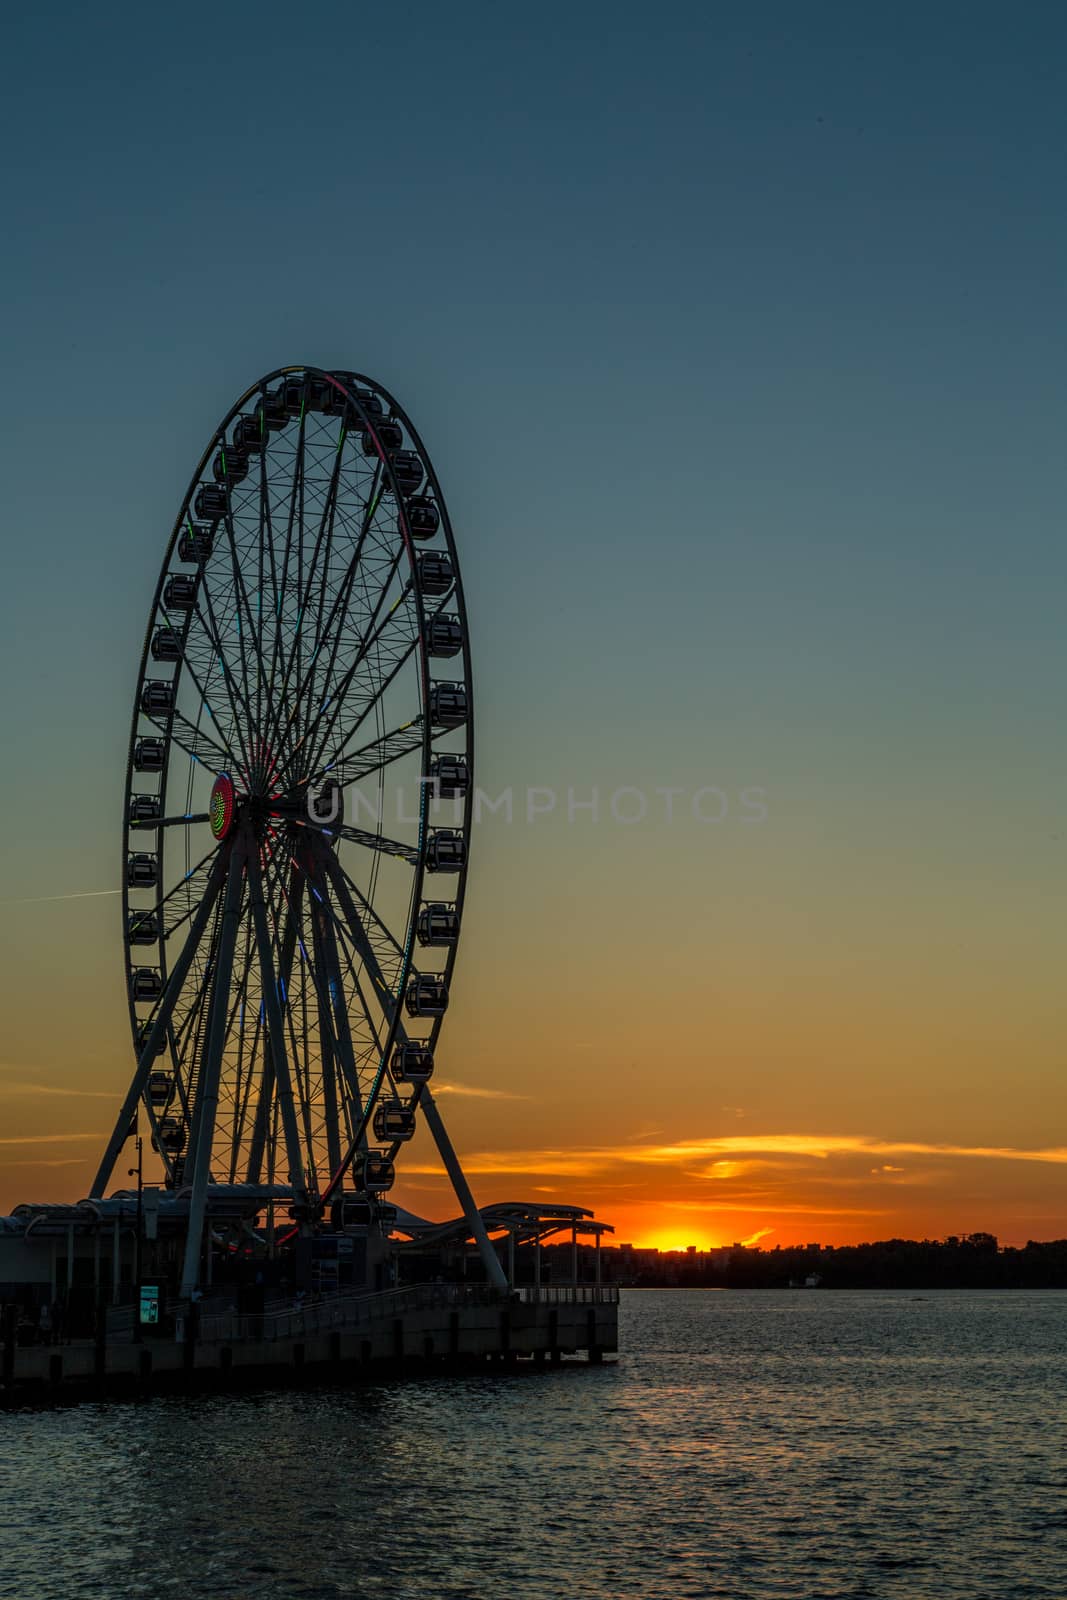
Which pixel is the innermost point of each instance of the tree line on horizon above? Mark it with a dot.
(966, 1261)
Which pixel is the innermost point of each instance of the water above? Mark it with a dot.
(812, 1444)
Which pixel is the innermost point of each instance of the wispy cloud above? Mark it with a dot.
(475, 1093)
(56, 1089)
(760, 1233)
(51, 1138)
(759, 1205)
(820, 1147)
(596, 1161)
(67, 1161)
(40, 899)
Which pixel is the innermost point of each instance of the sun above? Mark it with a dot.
(672, 1239)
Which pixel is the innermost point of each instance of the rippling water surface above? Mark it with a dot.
(745, 1445)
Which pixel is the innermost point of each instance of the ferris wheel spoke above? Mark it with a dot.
(241, 1121)
(202, 1135)
(405, 649)
(245, 1057)
(377, 842)
(150, 824)
(241, 599)
(332, 993)
(211, 628)
(197, 745)
(388, 995)
(398, 653)
(318, 560)
(322, 558)
(341, 600)
(365, 912)
(156, 1031)
(379, 753)
(336, 700)
(265, 558)
(181, 902)
(295, 498)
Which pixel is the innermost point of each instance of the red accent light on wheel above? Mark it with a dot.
(223, 805)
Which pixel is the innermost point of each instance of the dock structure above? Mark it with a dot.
(417, 1329)
(91, 1301)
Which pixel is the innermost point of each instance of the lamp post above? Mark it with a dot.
(138, 1171)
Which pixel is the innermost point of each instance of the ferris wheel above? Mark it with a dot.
(298, 802)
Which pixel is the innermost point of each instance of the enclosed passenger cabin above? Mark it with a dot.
(166, 645)
(160, 1089)
(146, 983)
(148, 755)
(212, 502)
(374, 1173)
(348, 1212)
(327, 397)
(273, 414)
(448, 704)
(444, 636)
(274, 411)
(390, 438)
(249, 432)
(143, 1030)
(179, 592)
(230, 464)
(424, 519)
(145, 808)
(427, 995)
(438, 924)
(171, 1136)
(393, 1122)
(142, 870)
(412, 1062)
(446, 851)
(290, 396)
(157, 698)
(409, 471)
(450, 776)
(196, 543)
(142, 927)
(433, 572)
(371, 404)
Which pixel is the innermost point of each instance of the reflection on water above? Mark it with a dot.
(746, 1445)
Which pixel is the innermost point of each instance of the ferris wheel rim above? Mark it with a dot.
(353, 389)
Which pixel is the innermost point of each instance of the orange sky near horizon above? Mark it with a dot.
(895, 1069)
(733, 1185)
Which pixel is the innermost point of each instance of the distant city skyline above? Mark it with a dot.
(735, 339)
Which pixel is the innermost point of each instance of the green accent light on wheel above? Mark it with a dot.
(223, 805)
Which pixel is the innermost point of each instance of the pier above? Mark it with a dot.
(414, 1329)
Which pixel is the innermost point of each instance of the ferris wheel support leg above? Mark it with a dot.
(322, 862)
(266, 1088)
(490, 1260)
(210, 1069)
(178, 974)
(276, 1025)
